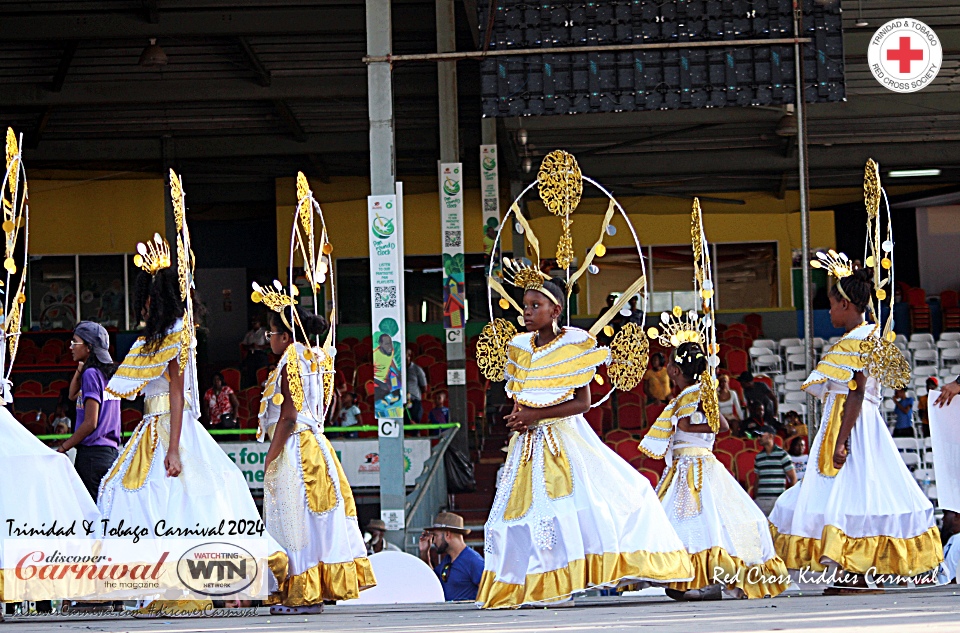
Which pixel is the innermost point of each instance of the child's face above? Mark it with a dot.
(348, 399)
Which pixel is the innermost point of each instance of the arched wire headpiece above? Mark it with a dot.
(560, 184)
(312, 243)
(884, 360)
(677, 327)
(16, 223)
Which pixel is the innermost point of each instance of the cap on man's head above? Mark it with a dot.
(766, 428)
(448, 522)
(376, 524)
(96, 338)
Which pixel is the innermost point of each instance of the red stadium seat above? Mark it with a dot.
(631, 416)
(651, 475)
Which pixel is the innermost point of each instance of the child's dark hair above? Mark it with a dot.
(163, 292)
(556, 288)
(690, 359)
(107, 369)
(313, 324)
(858, 288)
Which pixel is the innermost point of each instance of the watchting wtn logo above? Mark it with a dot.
(117, 569)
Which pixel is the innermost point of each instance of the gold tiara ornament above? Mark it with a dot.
(526, 277)
(836, 264)
(153, 256)
(677, 328)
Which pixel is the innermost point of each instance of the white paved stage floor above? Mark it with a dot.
(930, 610)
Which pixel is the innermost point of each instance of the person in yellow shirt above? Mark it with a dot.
(656, 384)
(386, 374)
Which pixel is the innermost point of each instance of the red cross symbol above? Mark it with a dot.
(905, 55)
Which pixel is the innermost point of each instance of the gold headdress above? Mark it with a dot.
(153, 256)
(560, 184)
(16, 219)
(314, 251)
(677, 327)
(526, 277)
(836, 264)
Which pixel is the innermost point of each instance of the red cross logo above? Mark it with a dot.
(905, 55)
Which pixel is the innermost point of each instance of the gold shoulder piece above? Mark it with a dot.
(492, 348)
(885, 362)
(710, 401)
(630, 351)
(293, 376)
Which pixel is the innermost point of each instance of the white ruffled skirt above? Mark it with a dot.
(310, 510)
(210, 489)
(40, 486)
(570, 515)
(871, 517)
(724, 531)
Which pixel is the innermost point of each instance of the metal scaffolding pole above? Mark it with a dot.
(804, 213)
(383, 181)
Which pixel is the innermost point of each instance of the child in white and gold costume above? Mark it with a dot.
(722, 528)
(308, 503)
(307, 499)
(570, 514)
(858, 508)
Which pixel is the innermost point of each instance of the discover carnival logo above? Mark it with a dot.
(905, 55)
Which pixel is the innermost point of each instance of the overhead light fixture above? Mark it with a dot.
(522, 136)
(913, 173)
(527, 164)
(860, 21)
(152, 55)
(787, 126)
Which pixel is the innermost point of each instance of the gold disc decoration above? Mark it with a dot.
(560, 185)
(630, 352)
(885, 362)
(492, 348)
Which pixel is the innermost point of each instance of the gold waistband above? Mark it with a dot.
(692, 451)
(545, 423)
(160, 404)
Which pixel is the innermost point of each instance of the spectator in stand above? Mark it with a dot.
(459, 567)
(636, 316)
(793, 426)
(656, 382)
(904, 409)
(257, 348)
(755, 390)
(375, 538)
(602, 338)
(416, 385)
(221, 403)
(729, 401)
(757, 419)
(440, 413)
(96, 433)
(923, 430)
(798, 454)
(60, 421)
(349, 412)
(774, 468)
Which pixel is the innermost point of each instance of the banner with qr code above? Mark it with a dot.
(451, 223)
(386, 270)
(489, 195)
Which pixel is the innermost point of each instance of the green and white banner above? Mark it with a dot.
(489, 194)
(451, 224)
(386, 302)
(360, 459)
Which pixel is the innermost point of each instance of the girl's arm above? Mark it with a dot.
(91, 417)
(172, 460)
(285, 425)
(76, 382)
(851, 410)
(524, 417)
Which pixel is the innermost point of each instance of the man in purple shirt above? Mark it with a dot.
(96, 433)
